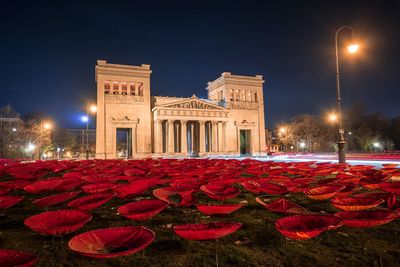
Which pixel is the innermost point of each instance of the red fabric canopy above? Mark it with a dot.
(142, 210)
(9, 201)
(15, 184)
(178, 198)
(323, 192)
(304, 227)
(206, 231)
(220, 192)
(58, 222)
(98, 188)
(367, 218)
(112, 242)
(355, 203)
(15, 258)
(392, 187)
(91, 202)
(218, 209)
(283, 205)
(136, 188)
(42, 186)
(54, 199)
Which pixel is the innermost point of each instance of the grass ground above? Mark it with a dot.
(378, 246)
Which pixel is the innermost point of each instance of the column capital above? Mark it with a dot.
(202, 122)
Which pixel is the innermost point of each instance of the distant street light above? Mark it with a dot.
(376, 144)
(302, 145)
(85, 119)
(353, 48)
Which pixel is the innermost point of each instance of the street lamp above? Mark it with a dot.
(44, 125)
(353, 48)
(90, 108)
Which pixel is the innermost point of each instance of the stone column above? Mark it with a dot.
(202, 138)
(157, 136)
(224, 136)
(183, 137)
(191, 137)
(170, 146)
(214, 137)
(220, 137)
(134, 140)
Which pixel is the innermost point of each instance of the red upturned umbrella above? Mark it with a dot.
(206, 231)
(367, 218)
(91, 202)
(15, 258)
(58, 222)
(304, 227)
(355, 203)
(142, 210)
(220, 192)
(98, 188)
(42, 186)
(218, 209)
(69, 184)
(54, 199)
(4, 191)
(135, 188)
(15, 184)
(322, 192)
(178, 198)
(9, 201)
(392, 187)
(265, 186)
(283, 205)
(112, 242)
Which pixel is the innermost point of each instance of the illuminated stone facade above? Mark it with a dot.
(229, 122)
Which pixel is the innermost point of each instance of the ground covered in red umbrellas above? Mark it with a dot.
(198, 212)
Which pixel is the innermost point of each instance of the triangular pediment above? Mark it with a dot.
(192, 103)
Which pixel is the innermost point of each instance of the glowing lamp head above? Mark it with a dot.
(30, 147)
(302, 145)
(282, 130)
(332, 117)
(84, 119)
(376, 144)
(353, 48)
(46, 125)
(93, 108)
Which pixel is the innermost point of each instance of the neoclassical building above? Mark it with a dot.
(229, 122)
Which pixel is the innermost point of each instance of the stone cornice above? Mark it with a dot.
(123, 99)
(192, 103)
(245, 123)
(228, 78)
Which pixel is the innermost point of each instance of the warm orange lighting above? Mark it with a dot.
(47, 125)
(282, 130)
(332, 117)
(93, 108)
(353, 48)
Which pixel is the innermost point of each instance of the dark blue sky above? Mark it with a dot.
(49, 50)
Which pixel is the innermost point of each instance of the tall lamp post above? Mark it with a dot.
(90, 108)
(43, 126)
(352, 48)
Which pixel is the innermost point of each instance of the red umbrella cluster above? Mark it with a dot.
(140, 189)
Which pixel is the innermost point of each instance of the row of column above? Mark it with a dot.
(167, 132)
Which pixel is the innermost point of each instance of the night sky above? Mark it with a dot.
(49, 51)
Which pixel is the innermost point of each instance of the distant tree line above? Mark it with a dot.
(22, 136)
(364, 132)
